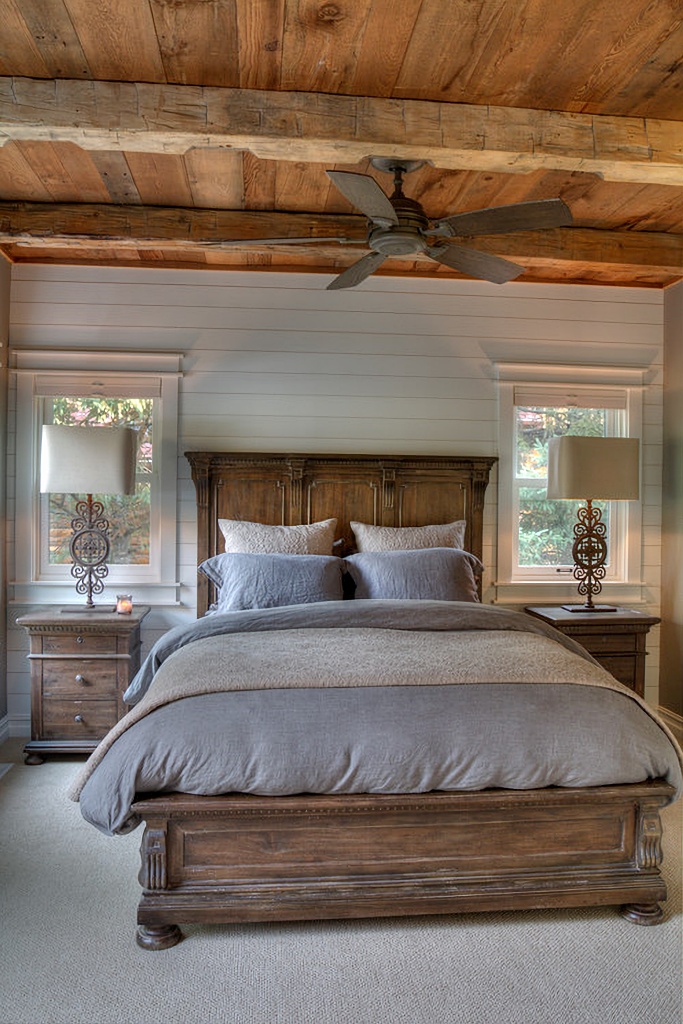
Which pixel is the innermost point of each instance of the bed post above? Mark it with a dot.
(153, 877)
(648, 857)
(200, 463)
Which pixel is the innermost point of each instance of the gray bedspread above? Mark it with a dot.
(382, 697)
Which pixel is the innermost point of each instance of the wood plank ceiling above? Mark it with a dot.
(177, 132)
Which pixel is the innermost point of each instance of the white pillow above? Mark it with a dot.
(259, 539)
(409, 538)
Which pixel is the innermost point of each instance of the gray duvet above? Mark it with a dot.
(370, 696)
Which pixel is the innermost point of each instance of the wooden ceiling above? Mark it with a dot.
(171, 132)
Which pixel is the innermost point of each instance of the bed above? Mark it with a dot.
(373, 740)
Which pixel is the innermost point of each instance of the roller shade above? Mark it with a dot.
(540, 396)
(48, 385)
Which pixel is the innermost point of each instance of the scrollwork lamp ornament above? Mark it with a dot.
(592, 469)
(88, 460)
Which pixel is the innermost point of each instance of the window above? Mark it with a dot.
(535, 533)
(142, 526)
(543, 536)
(129, 516)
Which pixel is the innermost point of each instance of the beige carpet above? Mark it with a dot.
(69, 897)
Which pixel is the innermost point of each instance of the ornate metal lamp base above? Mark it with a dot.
(589, 553)
(89, 548)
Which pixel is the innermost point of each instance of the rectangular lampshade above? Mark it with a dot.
(88, 460)
(602, 468)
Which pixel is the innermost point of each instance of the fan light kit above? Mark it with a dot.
(398, 226)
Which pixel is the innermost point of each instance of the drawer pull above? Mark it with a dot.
(80, 640)
(78, 718)
(81, 679)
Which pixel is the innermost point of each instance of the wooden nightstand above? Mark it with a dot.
(615, 639)
(81, 664)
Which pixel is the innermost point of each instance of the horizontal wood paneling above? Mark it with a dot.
(473, 298)
(276, 363)
(359, 322)
(467, 385)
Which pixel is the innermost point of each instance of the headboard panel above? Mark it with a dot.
(288, 490)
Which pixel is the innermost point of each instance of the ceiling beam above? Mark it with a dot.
(329, 129)
(94, 223)
(85, 226)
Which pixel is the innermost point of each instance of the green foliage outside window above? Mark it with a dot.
(546, 526)
(128, 515)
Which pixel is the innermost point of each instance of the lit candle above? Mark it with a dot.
(124, 604)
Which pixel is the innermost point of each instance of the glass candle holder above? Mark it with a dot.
(124, 604)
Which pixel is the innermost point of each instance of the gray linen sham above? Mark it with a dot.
(431, 574)
(270, 581)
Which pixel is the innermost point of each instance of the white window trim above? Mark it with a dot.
(527, 590)
(158, 372)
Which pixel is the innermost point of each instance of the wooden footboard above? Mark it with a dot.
(244, 858)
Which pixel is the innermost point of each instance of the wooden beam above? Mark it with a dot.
(89, 226)
(321, 128)
(178, 226)
(590, 245)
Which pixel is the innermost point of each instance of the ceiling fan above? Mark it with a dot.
(399, 226)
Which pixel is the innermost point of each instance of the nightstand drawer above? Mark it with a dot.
(66, 678)
(78, 719)
(79, 644)
(621, 643)
(624, 669)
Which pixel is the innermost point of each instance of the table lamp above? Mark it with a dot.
(592, 469)
(88, 460)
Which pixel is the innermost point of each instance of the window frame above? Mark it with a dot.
(615, 389)
(40, 376)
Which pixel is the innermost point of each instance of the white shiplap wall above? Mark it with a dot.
(4, 332)
(274, 362)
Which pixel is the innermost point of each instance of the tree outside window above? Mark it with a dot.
(545, 527)
(128, 515)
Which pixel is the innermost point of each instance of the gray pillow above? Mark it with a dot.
(259, 538)
(268, 581)
(431, 574)
(409, 538)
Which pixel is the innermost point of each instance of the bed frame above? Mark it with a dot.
(239, 858)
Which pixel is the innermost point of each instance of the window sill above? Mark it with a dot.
(59, 592)
(548, 592)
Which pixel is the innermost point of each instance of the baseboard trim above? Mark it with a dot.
(13, 726)
(673, 720)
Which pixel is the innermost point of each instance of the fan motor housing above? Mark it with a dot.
(396, 241)
(404, 238)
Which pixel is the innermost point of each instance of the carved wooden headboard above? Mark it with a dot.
(287, 490)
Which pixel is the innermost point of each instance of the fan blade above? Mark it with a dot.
(364, 192)
(496, 220)
(357, 272)
(475, 263)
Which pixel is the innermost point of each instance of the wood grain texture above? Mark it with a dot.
(237, 858)
(508, 102)
(317, 128)
(336, 240)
